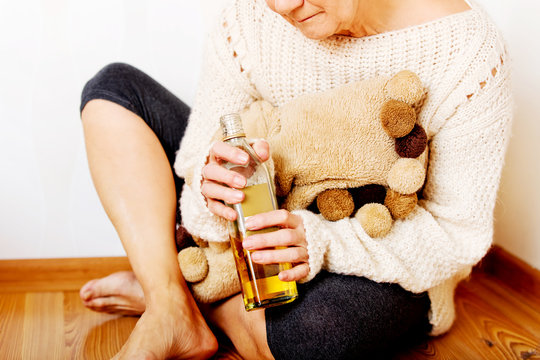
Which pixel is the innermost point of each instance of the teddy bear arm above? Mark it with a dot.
(221, 280)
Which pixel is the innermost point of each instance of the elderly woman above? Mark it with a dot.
(392, 290)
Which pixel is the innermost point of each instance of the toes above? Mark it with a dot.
(113, 305)
(119, 283)
(98, 304)
(86, 291)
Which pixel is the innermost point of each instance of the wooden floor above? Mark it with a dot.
(494, 321)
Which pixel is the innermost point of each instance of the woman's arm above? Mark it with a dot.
(452, 227)
(223, 88)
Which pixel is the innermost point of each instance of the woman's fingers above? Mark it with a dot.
(214, 191)
(295, 254)
(223, 151)
(219, 209)
(296, 273)
(283, 237)
(220, 174)
(282, 218)
(262, 149)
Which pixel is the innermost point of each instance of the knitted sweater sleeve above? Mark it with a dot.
(223, 89)
(451, 228)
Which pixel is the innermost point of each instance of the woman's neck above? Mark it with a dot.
(378, 16)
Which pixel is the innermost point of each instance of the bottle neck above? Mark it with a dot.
(234, 136)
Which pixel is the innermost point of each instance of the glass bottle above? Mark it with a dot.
(261, 286)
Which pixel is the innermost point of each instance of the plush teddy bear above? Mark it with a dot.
(356, 149)
(196, 261)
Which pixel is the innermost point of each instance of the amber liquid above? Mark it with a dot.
(261, 286)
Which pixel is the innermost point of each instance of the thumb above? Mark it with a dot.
(262, 149)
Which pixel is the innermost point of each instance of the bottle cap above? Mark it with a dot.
(231, 125)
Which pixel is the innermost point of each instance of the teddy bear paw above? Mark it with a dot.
(193, 264)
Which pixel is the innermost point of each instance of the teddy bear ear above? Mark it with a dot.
(405, 86)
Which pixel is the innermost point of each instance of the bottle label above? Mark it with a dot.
(257, 200)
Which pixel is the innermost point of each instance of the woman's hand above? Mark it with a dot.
(220, 184)
(291, 236)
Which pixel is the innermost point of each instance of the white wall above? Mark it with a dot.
(49, 48)
(517, 215)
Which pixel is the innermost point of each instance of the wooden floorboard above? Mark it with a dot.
(11, 325)
(488, 326)
(495, 320)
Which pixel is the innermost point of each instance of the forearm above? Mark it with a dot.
(451, 228)
(221, 91)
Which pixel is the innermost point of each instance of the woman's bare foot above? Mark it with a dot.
(167, 329)
(118, 293)
(170, 332)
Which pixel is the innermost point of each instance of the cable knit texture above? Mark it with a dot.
(461, 59)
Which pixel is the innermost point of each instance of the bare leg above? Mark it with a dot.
(246, 330)
(135, 184)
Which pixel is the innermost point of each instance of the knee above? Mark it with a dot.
(113, 80)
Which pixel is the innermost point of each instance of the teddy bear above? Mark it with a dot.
(357, 147)
(355, 150)
(196, 257)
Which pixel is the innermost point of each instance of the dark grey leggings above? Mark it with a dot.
(336, 316)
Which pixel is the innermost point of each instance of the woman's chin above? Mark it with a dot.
(315, 33)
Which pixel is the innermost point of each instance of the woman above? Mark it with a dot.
(401, 286)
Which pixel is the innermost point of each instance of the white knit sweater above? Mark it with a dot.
(461, 59)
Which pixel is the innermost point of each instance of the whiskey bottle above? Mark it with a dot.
(261, 286)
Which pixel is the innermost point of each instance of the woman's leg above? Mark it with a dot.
(347, 317)
(361, 314)
(135, 183)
